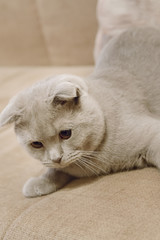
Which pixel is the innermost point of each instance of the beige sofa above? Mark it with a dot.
(38, 39)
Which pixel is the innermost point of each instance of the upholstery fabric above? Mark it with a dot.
(119, 206)
(49, 32)
(118, 15)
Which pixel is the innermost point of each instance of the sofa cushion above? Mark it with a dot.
(119, 206)
(47, 32)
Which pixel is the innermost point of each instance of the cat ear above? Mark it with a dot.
(66, 92)
(10, 114)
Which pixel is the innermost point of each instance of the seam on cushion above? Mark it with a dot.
(25, 210)
(15, 219)
(41, 30)
(42, 198)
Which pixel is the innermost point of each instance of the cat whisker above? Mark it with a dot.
(91, 154)
(73, 154)
(89, 167)
(94, 165)
(96, 157)
(83, 164)
(81, 167)
(85, 160)
(71, 161)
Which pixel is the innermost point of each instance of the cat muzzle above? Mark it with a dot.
(56, 160)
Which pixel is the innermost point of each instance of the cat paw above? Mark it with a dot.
(38, 186)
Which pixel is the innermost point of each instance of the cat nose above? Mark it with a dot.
(56, 160)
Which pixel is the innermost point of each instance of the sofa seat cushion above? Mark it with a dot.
(119, 206)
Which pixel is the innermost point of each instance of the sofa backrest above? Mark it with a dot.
(50, 32)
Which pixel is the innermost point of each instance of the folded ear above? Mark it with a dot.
(65, 92)
(10, 114)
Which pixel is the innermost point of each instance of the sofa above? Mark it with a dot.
(39, 39)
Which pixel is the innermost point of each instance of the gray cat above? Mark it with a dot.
(105, 123)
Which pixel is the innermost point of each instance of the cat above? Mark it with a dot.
(107, 122)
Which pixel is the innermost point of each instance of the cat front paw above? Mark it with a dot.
(38, 186)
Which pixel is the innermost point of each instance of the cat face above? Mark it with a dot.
(56, 120)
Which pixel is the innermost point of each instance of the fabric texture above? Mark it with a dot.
(122, 206)
(50, 32)
(119, 206)
(116, 16)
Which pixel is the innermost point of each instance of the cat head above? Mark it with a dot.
(56, 118)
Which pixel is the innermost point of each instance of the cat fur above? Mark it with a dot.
(114, 115)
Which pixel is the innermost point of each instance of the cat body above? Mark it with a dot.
(105, 123)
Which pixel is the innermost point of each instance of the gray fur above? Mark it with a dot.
(114, 115)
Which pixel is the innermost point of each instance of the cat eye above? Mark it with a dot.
(36, 144)
(65, 134)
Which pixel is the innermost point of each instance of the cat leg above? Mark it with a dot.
(153, 153)
(150, 137)
(47, 183)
